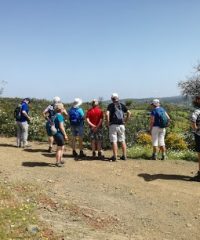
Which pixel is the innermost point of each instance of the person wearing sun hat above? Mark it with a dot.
(60, 135)
(76, 118)
(48, 114)
(94, 118)
(116, 120)
(157, 131)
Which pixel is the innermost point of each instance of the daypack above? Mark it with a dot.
(118, 115)
(163, 119)
(51, 125)
(18, 112)
(75, 117)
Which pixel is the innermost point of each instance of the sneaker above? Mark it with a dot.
(196, 178)
(50, 149)
(74, 153)
(62, 162)
(82, 154)
(113, 159)
(164, 157)
(58, 164)
(123, 157)
(27, 146)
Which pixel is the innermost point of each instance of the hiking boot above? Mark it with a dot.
(154, 156)
(123, 157)
(113, 159)
(94, 154)
(50, 149)
(100, 156)
(164, 157)
(82, 154)
(196, 178)
(74, 153)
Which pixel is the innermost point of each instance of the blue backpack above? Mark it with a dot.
(163, 120)
(75, 117)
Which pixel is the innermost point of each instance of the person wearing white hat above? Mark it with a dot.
(48, 114)
(76, 118)
(115, 119)
(159, 120)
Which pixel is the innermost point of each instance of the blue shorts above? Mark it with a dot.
(77, 131)
(59, 139)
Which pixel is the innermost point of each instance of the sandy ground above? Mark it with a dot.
(99, 200)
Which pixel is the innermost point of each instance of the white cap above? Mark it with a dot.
(114, 96)
(155, 102)
(56, 99)
(77, 102)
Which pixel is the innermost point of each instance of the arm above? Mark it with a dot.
(107, 118)
(62, 129)
(26, 115)
(128, 114)
(152, 119)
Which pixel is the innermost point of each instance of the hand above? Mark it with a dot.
(66, 138)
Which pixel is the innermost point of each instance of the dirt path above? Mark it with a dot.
(99, 200)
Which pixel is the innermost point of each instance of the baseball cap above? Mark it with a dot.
(155, 102)
(114, 96)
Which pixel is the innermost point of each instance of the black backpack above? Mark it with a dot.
(18, 112)
(118, 115)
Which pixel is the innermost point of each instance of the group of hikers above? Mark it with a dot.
(116, 117)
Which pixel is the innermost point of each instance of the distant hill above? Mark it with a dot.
(177, 100)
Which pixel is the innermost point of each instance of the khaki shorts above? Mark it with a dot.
(117, 133)
(158, 136)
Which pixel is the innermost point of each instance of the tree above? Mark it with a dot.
(191, 87)
(2, 85)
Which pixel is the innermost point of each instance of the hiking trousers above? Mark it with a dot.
(22, 134)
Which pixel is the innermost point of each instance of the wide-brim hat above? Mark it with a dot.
(77, 102)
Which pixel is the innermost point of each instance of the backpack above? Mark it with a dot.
(18, 112)
(51, 125)
(163, 119)
(118, 115)
(75, 117)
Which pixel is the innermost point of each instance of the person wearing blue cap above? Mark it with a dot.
(23, 124)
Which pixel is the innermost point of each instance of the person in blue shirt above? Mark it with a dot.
(76, 118)
(23, 124)
(157, 131)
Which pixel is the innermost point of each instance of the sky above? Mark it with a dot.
(92, 48)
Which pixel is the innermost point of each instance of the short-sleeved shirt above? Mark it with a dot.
(94, 114)
(111, 108)
(58, 119)
(195, 118)
(24, 107)
(155, 113)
